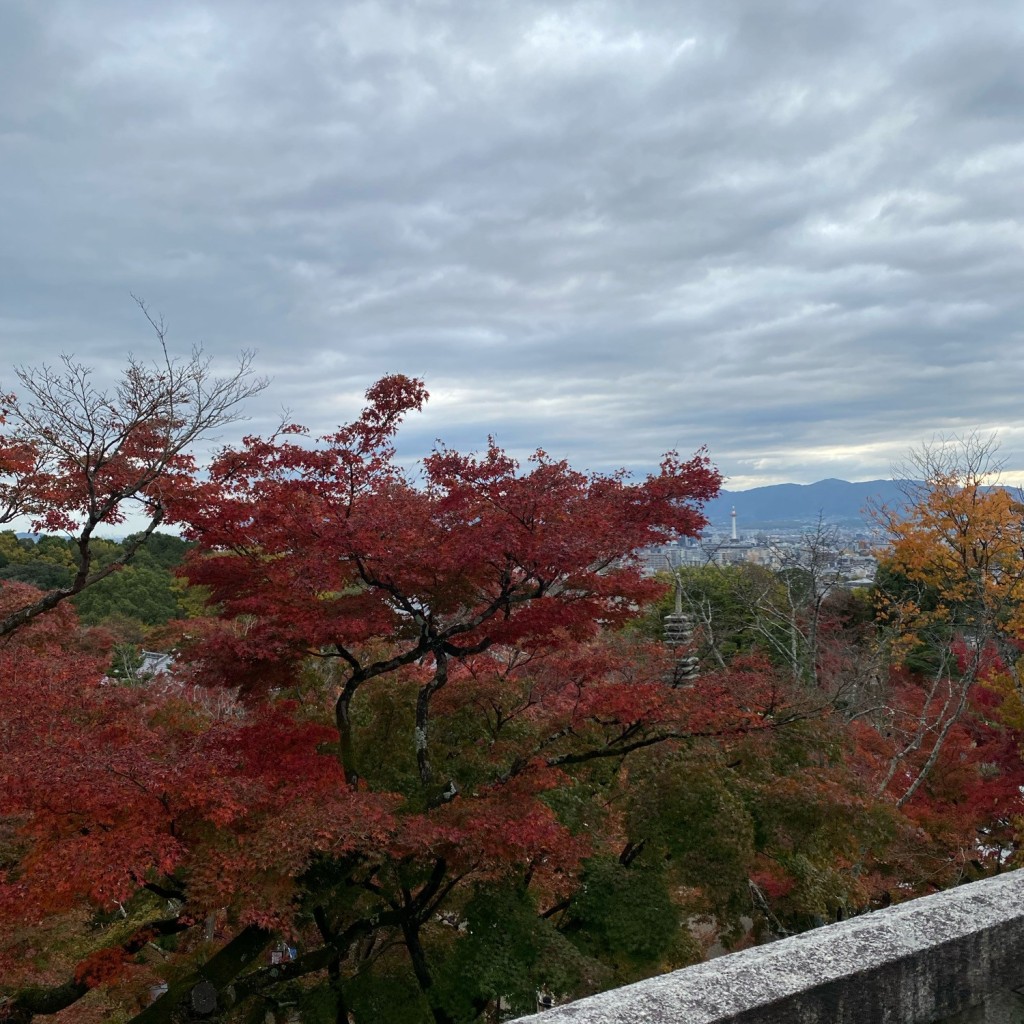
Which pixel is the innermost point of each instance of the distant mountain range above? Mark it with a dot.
(837, 501)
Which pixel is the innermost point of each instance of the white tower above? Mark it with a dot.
(733, 514)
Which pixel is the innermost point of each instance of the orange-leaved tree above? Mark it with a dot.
(951, 592)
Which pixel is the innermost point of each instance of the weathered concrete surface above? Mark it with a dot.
(956, 956)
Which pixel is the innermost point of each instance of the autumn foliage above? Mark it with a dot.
(419, 755)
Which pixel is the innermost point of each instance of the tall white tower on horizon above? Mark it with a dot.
(733, 516)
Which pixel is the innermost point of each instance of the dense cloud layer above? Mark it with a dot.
(790, 231)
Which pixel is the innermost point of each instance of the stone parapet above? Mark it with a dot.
(956, 956)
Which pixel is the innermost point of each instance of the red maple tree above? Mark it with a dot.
(459, 622)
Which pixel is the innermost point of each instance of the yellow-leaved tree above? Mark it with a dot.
(951, 590)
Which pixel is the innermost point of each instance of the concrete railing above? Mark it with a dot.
(957, 956)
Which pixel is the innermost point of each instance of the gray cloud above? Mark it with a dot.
(791, 231)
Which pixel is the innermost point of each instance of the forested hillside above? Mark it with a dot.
(423, 754)
(144, 593)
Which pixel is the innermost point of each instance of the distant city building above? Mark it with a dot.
(154, 663)
(852, 565)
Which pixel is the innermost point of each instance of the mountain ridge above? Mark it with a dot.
(834, 500)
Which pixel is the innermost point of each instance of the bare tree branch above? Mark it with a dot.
(79, 456)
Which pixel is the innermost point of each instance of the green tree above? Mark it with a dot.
(14, 549)
(161, 550)
(44, 575)
(141, 592)
(725, 604)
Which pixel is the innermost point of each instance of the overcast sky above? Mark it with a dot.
(791, 231)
